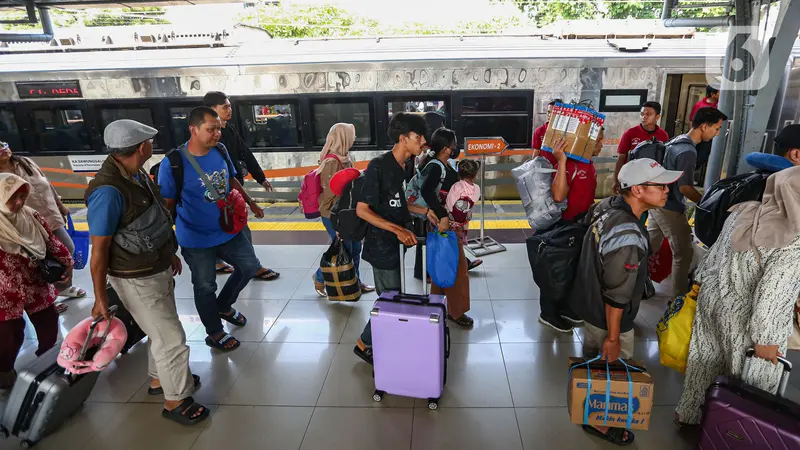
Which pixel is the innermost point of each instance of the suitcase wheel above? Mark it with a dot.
(4, 432)
(378, 395)
(26, 444)
(433, 404)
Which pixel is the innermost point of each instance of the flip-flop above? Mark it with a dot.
(225, 269)
(61, 308)
(613, 435)
(236, 318)
(72, 292)
(219, 344)
(474, 264)
(267, 275)
(184, 412)
(160, 390)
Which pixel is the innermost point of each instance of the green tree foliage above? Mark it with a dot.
(302, 21)
(634, 10)
(145, 15)
(60, 17)
(545, 12)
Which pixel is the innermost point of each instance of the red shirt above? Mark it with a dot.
(582, 182)
(633, 136)
(704, 103)
(538, 136)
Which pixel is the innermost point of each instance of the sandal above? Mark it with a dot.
(61, 308)
(72, 292)
(235, 318)
(474, 264)
(184, 414)
(225, 269)
(613, 435)
(366, 288)
(464, 320)
(267, 275)
(219, 344)
(160, 390)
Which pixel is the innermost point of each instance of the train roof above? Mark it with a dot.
(218, 53)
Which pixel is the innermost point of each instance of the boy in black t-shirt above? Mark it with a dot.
(383, 205)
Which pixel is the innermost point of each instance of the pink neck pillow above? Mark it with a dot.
(109, 348)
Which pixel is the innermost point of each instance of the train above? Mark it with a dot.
(56, 99)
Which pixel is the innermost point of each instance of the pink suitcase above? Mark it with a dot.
(740, 416)
(410, 341)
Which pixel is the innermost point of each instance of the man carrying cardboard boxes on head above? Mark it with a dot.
(610, 283)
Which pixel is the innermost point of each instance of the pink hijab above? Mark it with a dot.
(340, 139)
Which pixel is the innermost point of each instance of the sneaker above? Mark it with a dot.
(556, 323)
(570, 316)
(319, 287)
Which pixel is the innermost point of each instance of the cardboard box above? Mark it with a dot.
(641, 397)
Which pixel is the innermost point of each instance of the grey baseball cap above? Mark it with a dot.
(125, 133)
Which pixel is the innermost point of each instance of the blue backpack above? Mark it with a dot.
(414, 188)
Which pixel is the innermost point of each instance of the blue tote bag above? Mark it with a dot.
(442, 255)
(81, 241)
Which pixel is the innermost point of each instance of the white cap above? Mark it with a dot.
(646, 170)
(123, 133)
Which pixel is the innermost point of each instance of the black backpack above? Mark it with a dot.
(652, 149)
(176, 164)
(712, 211)
(554, 255)
(344, 218)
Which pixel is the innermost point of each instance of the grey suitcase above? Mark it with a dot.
(45, 395)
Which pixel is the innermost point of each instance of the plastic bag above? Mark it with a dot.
(442, 255)
(659, 265)
(339, 273)
(675, 330)
(534, 179)
(81, 241)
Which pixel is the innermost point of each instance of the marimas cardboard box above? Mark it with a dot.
(640, 389)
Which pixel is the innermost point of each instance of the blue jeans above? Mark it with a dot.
(249, 234)
(353, 248)
(237, 252)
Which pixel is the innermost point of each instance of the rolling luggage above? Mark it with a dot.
(410, 341)
(135, 333)
(45, 395)
(739, 416)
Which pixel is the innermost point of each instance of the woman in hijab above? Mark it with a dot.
(44, 199)
(334, 157)
(24, 239)
(749, 287)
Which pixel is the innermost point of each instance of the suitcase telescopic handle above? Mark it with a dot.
(112, 311)
(787, 370)
(420, 241)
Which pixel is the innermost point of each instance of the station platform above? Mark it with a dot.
(295, 383)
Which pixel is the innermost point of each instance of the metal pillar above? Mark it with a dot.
(483, 245)
(785, 34)
(45, 36)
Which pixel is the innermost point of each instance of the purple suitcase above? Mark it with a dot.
(739, 416)
(411, 342)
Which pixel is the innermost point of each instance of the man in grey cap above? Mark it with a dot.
(133, 247)
(612, 272)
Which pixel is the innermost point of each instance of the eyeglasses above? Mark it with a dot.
(661, 186)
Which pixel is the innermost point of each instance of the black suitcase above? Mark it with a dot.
(135, 334)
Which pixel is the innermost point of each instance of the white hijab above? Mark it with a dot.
(19, 231)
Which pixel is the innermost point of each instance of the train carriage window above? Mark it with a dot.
(505, 116)
(140, 114)
(434, 110)
(60, 129)
(9, 132)
(271, 125)
(179, 123)
(326, 113)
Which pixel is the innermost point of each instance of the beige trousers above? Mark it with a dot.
(593, 338)
(662, 223)
(151, 302)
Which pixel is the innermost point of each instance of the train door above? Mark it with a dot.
(681, 93)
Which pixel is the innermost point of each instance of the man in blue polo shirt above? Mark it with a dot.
(199, 233)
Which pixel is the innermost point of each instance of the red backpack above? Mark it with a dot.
(310, 190)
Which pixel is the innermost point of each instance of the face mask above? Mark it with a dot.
(454, 153)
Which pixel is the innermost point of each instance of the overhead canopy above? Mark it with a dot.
(82, 4)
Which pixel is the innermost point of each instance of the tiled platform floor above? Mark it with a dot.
(295, 383)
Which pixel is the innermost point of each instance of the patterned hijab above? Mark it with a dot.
(340, 138)
(19, 231)
(775, 221)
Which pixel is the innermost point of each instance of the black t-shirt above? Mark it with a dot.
(432, 175)
(383, 191)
